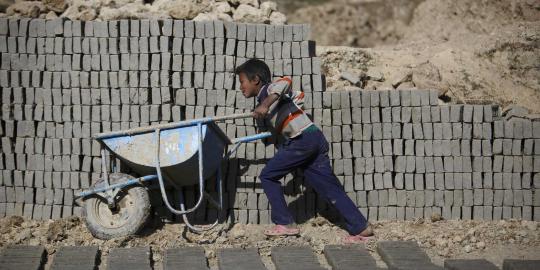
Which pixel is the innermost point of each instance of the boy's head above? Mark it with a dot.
(253, 74)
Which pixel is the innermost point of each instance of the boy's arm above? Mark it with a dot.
(275, 91)
(261, 110)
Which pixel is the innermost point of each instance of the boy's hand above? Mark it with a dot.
(260, 112)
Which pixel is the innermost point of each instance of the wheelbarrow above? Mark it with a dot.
(183, 153)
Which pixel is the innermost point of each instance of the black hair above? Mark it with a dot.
(255, 67)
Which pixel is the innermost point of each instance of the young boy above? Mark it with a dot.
(305, 147)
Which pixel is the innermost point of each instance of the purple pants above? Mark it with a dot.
(308, 151)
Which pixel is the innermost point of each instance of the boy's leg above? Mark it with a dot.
(294, 154)
(320, 176)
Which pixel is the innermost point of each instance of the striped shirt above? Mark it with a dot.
(285, 116)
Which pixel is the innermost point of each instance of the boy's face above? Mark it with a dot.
(250, 88)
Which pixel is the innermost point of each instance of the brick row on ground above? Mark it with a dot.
(400, 255)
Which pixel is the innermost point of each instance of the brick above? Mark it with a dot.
(404, 255)
(516, 213)
(239, 259)
(405, 97)
(518, 129)
(282, 257)
(82, 257)
(478, 113)
(23, 257)
(498, 129)
(416, 98)
(193, 257)
(467, 113)
(349, 257)
(512, 264)
(138, 257)
(433, 97)
(307, 49)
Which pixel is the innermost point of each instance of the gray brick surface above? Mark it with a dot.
(75, 258)
(404, 255)
(239, 259)
(511, 264)
(349, 257)
(295, 257)
(22, 257)
(133, 258)
(191, 258)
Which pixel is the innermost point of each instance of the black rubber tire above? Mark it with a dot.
(131, 213)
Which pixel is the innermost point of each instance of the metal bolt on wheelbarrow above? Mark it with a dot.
(183, 153)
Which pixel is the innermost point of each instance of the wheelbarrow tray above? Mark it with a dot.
(178, 150)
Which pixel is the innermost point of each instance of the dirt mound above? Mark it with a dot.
(472, 51)
(357, 23)
(444, 20)
(500, 68)
(369, 23)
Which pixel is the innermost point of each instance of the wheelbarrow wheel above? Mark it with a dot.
(128, 217)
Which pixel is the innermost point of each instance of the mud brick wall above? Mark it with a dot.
(398, 154)
(63, 81)
(403, 156)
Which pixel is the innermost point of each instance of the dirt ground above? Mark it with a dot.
(494, 241)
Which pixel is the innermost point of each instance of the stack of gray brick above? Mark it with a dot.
(398, 154)
(403, 156)
(63, 81)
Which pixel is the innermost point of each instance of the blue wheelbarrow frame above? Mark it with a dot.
(119, 140)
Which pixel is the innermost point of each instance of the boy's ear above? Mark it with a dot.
(257, 79)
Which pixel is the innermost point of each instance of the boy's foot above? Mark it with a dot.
(367, 232)
(281, 230)
(362, 237)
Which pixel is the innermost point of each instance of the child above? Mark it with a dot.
(305, 147)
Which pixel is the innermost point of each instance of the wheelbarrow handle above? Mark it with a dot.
(232, 116)
(185, 123)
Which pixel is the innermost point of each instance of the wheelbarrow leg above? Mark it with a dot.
(202, 193)
(219, 187)
(162, 185)
(217, 205)
(201, 176)
(110, 194)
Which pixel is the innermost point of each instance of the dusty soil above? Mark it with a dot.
(494, 241)
(471, 51)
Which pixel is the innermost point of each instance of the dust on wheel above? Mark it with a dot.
(127, 218)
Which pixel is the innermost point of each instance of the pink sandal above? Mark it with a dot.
(356, 239)
(281, 230)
